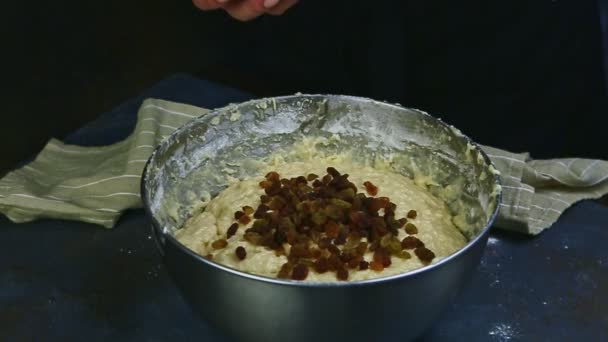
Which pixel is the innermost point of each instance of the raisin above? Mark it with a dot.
(219, 244)
(333, 172)
(247, 210)
(424, 254)
(379, 203)
(300, 272)
(362, 248)
(299, 251)
(390, 209)
(264, 199)
(382, 256)
(238, 215)
(324, 243)
(376, 266)
(342, 274)
(277, 203)
(326, 179)
(394, 245)
(319, 218)
(374, 245)
(232, 230)
(340, 203)
(354, 262)
(347, 194)
(273, 176)
(403, 255)
(334, 212)
(285, 271)
(280, 237)
(316, 253)
(265, 184)
(411, 229)
(412, 214)
(279, 251)
(333, 249)
(321, 265)
(245, 219)
(311, 177)
(331, 229)
(253, 237)
(261, 211)
(273, 189)
(241, 253)
(340, 240)
(334, 262)
(363, 265)
(371, 189)
(411, 242)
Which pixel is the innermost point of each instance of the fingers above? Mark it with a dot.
(246, 9)
(282, 7)
(208, 4)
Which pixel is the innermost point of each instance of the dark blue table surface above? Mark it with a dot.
(73, 281)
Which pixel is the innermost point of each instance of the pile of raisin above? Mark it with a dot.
(324, 221)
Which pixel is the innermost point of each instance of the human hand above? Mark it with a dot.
(245, 10)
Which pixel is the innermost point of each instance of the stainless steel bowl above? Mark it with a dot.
(191, 163)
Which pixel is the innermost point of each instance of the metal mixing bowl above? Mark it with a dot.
(193, 162)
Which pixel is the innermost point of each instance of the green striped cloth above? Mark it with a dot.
(97, 184)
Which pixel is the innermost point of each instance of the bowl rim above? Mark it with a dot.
(158, 231)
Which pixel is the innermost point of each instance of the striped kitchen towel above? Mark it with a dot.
(97, 184)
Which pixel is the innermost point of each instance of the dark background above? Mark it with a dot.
(501, 71)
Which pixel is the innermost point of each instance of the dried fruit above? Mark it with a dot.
(376, 266)
(410, 242)
(424, 254)
(273, 176)
(245, 219)
(253, 238)
(403, 255)
(300, 272)
(285, 271)
(333, 172)
(382, 256)
(362, 248)
(411, 229)
(363, 265)
(332, 229)
(261, 211)
(371, 189)
(232, 230)
(219, 244)
(300, 251)
(311, 177)
(333, 249)
(342, 274)
(412, 214)
(316, 214)
(324, 243)
(241, 253)
(321, 265)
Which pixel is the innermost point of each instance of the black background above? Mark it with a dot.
(521, 75)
